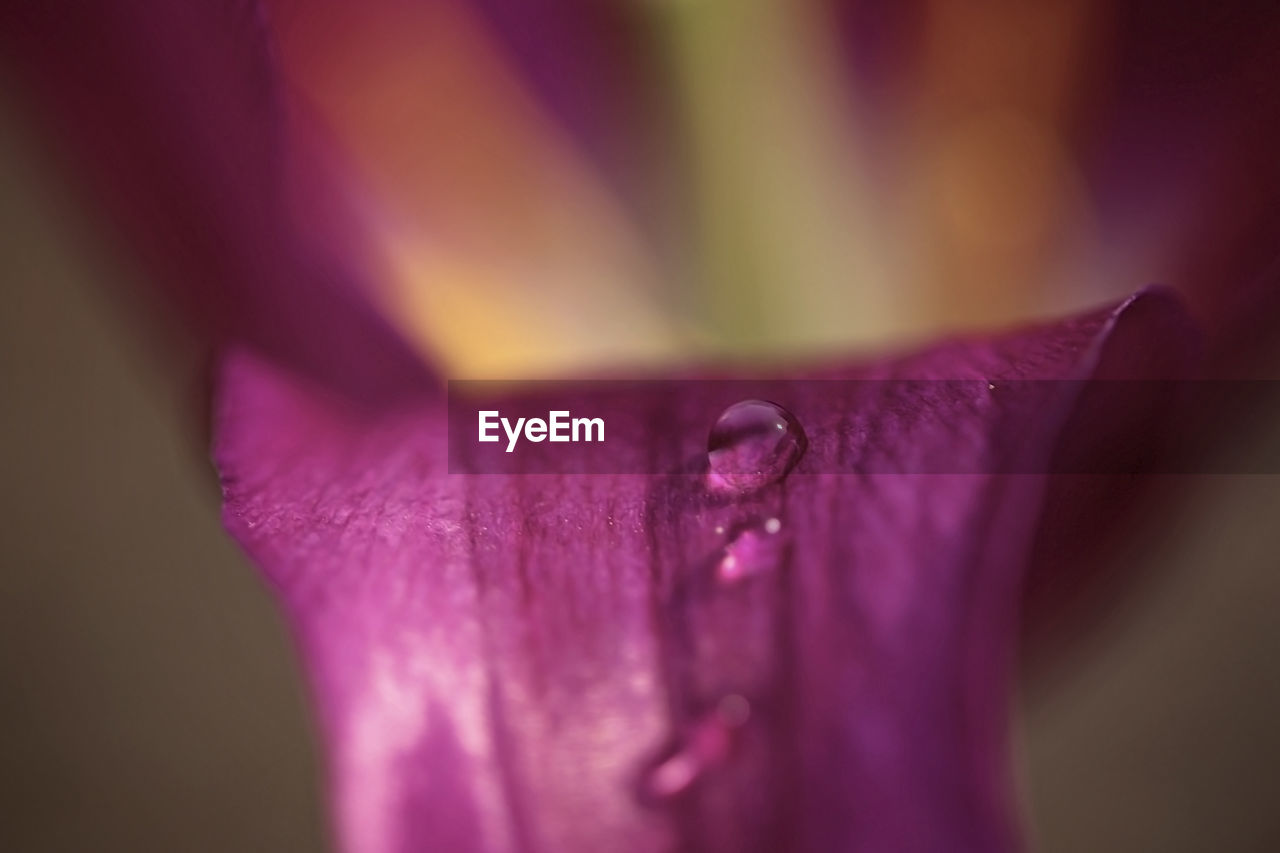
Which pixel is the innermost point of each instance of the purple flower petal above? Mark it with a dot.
(543, 662)
(171, 116)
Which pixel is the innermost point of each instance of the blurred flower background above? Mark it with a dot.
(576, 183)
(550, 188)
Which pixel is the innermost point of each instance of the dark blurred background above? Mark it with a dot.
(148, 698)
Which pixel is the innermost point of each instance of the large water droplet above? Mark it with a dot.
(753, 551)
(706, 744)
(753, 443)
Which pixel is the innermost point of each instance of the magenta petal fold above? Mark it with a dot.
(501, 662)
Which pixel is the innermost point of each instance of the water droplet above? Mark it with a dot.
(752, 444)
(674, 775)
(706, 744)
(753, 551)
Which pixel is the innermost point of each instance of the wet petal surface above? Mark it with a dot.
(505, 661)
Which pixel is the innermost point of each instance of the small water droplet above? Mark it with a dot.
(753, 551)
(706, 744)
(672, 776)
(753, 443)
(991, 386)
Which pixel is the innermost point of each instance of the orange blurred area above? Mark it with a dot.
(499, 248)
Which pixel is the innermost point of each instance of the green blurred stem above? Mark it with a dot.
(778, 244)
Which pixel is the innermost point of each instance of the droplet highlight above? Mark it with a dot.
(707, 744)
(752, 444)
(754, 551)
